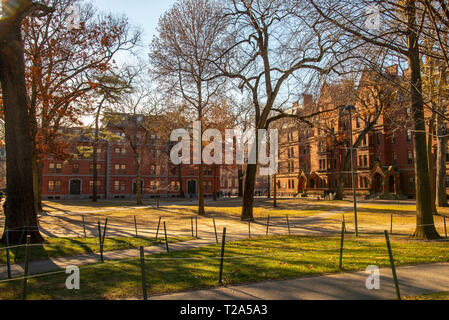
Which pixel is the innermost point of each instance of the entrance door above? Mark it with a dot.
(191, 187)
(392, 183)
(378, 184)
(75, 187)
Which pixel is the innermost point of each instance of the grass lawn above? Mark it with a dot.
(262, 211)
(280, 257)
(61, 247)
(432, 296)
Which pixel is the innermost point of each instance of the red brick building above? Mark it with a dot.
(73, 179)
(384, 162)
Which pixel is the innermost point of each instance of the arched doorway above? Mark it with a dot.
(75, 187)
(312, 184)
(378, 183)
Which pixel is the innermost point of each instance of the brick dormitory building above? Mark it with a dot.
(310, 162)
(73, 178)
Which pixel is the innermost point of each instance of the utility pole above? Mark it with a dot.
(354, 192)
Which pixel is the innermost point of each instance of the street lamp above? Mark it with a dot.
(350, 109)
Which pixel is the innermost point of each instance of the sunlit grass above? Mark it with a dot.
(62, 247)
(264, 259)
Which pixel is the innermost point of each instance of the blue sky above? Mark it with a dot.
(142, 13)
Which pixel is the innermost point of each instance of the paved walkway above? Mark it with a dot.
(414, 281)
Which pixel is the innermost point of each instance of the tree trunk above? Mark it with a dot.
(248, 193)
(215, 182)
(40, 181)
(240, 178)
(441, 193)
(20, 211)
(431, 165)
(425, 224)
(95, 173)
(35, 182)
(339, 195)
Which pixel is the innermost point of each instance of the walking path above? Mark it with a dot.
(413, 281)
(236, 231)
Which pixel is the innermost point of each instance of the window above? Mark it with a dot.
(55, 168)
(358, 124)
(395, 158)
(293, 184)
(364, 141)
(54, 186)
(91, 185)
(411, 183)
(120, 168)
(409, 113)
(410, 158)
(447, 182)
(378, 139)
(393, 138)
(119, 185)
(75, 168)
(365, 161)
(91, 169)
(409, 135)
(120, 152)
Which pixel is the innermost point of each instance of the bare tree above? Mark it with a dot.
(189, 35)
(274, 42)
(134, 117)
(400, 31)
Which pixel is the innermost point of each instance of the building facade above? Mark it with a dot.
(117, 174)
(311, 159)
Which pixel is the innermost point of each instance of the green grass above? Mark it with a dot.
(276, 258)
(62, 247)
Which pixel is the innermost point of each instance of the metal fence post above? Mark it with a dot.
(166, 238)
(158, 226)
(104, 231)
(223, 244)
(288, 224)
(342, 243)
(101, 242)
